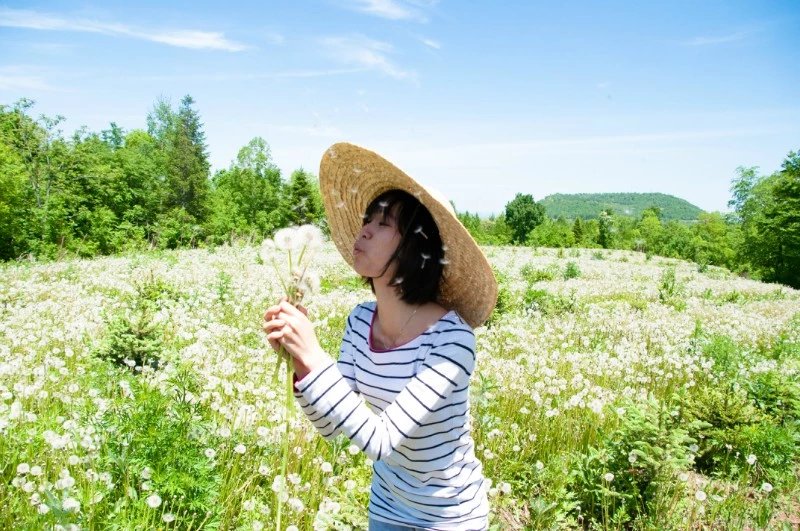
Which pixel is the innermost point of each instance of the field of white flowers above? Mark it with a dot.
(613, 390)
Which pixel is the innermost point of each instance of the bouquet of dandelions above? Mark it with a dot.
(294, 247)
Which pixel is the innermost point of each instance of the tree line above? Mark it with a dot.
(760, 238)
(116, 190)
(102, 193)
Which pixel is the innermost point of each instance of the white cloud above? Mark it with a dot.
(212, 40)
(705, 41)
(436, 45)
(365, 53)
(15, 78)
(390, 9)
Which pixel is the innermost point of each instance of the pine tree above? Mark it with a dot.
(302, 203)
(187, 162)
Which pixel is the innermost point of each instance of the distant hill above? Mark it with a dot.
(589, 206)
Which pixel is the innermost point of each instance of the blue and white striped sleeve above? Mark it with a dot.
(333, 407)
(346, 363)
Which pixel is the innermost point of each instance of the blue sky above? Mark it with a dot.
(478, 99)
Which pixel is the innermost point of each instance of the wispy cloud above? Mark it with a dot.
(436, 45)
(193, 39)
(365, 53)
(227, 77)
(720, 39)
(16, 78)
(390, 9)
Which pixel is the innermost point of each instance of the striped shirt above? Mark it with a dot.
(408, 409)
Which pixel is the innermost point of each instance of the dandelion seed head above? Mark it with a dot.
(240, 449)
(146, 472)
(353, 449)
(751, 459)
(700, 496)
(608, 477)
(71, 505)
(766, 487)
(168, 518)
(278, 484)
(23, 468)
(210, 453)
(296, 504)
(154, 500)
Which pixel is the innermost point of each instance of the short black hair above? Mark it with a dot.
(420, 253)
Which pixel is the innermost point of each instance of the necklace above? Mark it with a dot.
(394, 339)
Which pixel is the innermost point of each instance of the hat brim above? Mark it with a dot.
(350, 177)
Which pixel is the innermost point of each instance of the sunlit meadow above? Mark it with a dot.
(612, 390)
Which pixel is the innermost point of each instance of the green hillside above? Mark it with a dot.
(589, 206)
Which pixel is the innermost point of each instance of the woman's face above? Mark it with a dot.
(375, 245)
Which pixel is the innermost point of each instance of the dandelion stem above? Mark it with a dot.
(288, 414)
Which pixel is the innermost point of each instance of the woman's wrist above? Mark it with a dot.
(308, 364)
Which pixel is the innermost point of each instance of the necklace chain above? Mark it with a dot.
(400, 333)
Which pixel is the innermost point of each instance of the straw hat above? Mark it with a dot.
(350, 177)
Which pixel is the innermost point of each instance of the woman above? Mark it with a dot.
(400, 389)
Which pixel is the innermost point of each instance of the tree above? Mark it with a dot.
(522, 215)
(651, 231)
(13, 205)
(302, 202)
(578, 230)
(782, 220)
(187, 163)
(606, 229)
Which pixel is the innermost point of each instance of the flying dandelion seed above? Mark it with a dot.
(419, 230)
(425, 258)
(444, 261)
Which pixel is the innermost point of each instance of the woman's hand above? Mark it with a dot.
(289, 327)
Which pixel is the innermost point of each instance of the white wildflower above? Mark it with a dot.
(608, 477)
(154, 500)
(71, 504)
